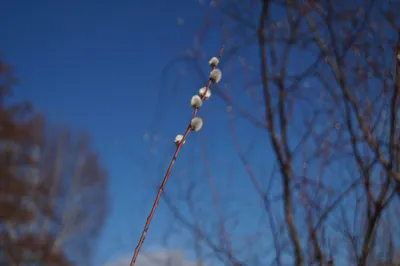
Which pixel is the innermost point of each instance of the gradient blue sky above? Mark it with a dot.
(97, 65)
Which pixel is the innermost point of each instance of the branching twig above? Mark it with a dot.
(283, 154)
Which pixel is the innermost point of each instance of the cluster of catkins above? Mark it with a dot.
(204, 93)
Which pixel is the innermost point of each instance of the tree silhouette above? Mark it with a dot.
(313, 87)
(53, 192)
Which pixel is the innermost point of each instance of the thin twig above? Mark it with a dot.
(167, 174)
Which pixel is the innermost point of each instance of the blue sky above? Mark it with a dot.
(97, 65)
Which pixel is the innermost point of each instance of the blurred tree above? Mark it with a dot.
(53, 188)
(312, 90)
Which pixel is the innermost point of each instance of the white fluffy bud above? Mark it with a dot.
(196, 101)
(213, 61)
(202, 91)
(178, 139)
(215, 75)
(196, 124)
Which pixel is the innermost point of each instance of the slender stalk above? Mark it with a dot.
(167, 174)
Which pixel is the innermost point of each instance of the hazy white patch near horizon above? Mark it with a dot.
(155, 258)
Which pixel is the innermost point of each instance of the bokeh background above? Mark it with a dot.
(297, 161)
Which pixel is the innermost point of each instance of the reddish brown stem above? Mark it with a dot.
(167, 174)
